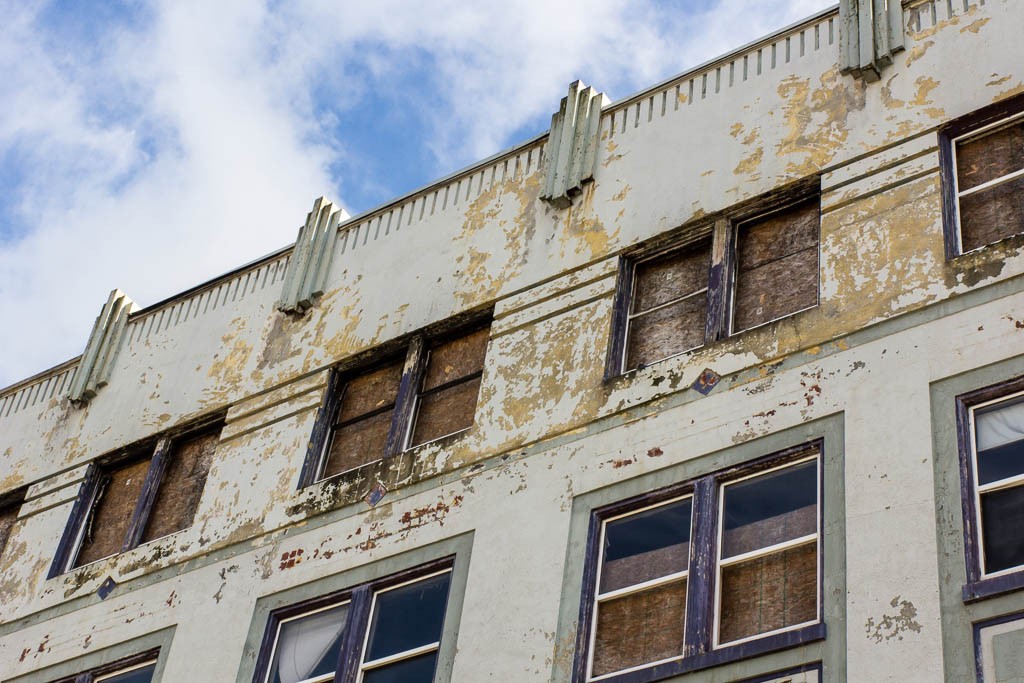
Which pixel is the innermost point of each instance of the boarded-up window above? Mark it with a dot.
(112, 511)
(429, 393)
(8, 516)
(726, 558)
(768, 552)
(776, 265)
(669, 305)
(364, 419)
(181, 485)
(990, 184)
(152, 493)
(748, 271)
(451, 382)
(641, 598)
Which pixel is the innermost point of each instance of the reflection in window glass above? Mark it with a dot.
(999, 468)
(768, 564)
(143, 674)
(641, 604)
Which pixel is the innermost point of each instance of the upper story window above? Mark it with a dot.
(151, 491)
(716, 569)
(384, 631)
(982, 160)
(992, 464)
(426, 393)
(9, 508)
(748, 268)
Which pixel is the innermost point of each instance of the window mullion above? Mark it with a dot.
(143, 506)
(405, 402)
(700, 589)
(718, 281)
(352, 646)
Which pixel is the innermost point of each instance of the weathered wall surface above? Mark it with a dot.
(894, 317)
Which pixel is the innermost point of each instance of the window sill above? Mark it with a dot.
(723, 655)
(981, 589)
(356, 485)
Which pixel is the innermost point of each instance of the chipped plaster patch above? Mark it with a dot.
(890, 626)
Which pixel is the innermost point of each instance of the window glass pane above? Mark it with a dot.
(1000, 424)
(358, 443)
(1001, 462)
(646, 546)
(370, 391)
(666, 278)
(990, 156)
(667, 331)
(769, 592)
(455, 359)
(1002, 521)
(408, 617)
(106, 531)
(770, 509)
(308, 646)
(415, 670)
(446, 411)
(992, 214)
(142, 675)
(642, 627)
(181, 485)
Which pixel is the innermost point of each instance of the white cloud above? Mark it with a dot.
(194, 138)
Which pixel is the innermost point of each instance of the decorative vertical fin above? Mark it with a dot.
(572, 144)
(93, 372)
(310, 262)
(870, 33)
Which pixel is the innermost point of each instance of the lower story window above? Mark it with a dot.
(385, 631)
(710, 570)
(140, 669)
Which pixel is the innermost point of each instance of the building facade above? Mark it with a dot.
(720, 382)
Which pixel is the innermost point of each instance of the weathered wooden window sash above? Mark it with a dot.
(981, 158)
(146, 492)
(668, 578)
(387, 629)
(375, 412)
(138, 668)
(10, 504)
(753, 264)
(991, 443)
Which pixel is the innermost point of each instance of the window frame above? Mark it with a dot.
(159, 451)
(417, 348)
(723, 231)
(122, 666)
(981, 584)
(970, 125)
(361, 599)
(700, 648)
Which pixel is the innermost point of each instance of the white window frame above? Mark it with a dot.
(1013, 175)
(635, 588)
(364, 665)
(979, 489)
(721, 564)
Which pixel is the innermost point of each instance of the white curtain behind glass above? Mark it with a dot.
(303, 643)
(1001, 426)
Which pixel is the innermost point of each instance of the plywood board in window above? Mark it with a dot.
(182, 485)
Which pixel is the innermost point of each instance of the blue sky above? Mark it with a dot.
(153, 145)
